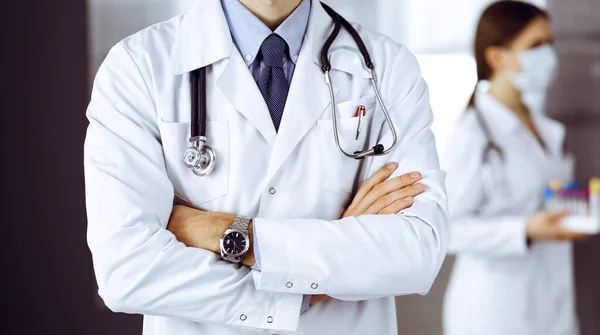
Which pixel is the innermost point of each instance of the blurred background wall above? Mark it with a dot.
(46, 277)
(575, 100)
(56, 47)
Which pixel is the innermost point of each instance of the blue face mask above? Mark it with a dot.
(539, 66)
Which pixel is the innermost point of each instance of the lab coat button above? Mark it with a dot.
(243, 317)
(270, 319)
(314, 286)
(272, 191)
(289, 285)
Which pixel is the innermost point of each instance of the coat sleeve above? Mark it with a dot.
(371, 255)
(139, 265)
(473, 233)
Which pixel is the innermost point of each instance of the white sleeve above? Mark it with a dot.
(356, 258)
(471, 232)
(140, 267)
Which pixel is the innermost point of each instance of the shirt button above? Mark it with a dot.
(270, 319)
(314, 286)
(295, 58)
(272, 191)
(248, 57)
(243, 317)
(289, 285)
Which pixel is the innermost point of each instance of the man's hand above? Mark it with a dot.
(380, 195)
(546, 226)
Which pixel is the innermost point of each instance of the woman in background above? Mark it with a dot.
(513, 272)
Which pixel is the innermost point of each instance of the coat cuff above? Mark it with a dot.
(275, 273)
(282, 315)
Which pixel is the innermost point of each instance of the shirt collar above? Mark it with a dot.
(249, 32)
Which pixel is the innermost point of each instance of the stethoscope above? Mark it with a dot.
(492, 170)
(201, 158)
(493, 179)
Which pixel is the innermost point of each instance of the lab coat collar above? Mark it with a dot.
(553, 133)
(203, 37)
(499, 118)
(503, 122)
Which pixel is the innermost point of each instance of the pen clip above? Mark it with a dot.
(361, 111)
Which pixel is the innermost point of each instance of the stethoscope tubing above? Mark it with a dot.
(339, 21)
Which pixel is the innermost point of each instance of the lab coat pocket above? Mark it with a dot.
(340, 172)
(187, 186)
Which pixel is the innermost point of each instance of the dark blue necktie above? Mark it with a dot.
(272, 82)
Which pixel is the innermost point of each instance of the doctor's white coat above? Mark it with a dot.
(500, 285)
(295, 184)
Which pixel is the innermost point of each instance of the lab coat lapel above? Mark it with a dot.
(238, 86)
(308, 96)
(553, 134)
(204, 39)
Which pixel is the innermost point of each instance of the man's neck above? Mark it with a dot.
(271, 12)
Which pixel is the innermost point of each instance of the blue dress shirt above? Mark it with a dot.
(248, 34)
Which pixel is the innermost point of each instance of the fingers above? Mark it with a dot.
(566, 234)
(555, 217)
(377, 178)
(385, 193)
(397, 200)
(397, 206)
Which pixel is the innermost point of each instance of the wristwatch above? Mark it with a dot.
(235, 242)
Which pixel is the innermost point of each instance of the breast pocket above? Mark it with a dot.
(339, 171)
(189, 187)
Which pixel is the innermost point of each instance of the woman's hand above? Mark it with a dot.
(380, 195)
(546, 226)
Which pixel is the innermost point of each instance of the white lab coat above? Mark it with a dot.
(139, 128)
(499, 285)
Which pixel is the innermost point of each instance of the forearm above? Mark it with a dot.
(373, 255)
(203, 230)
(142, 269)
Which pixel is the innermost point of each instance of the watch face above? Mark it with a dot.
(234, 243)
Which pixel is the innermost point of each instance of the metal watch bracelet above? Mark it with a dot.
(240, 224)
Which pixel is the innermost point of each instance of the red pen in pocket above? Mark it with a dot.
(361, 111)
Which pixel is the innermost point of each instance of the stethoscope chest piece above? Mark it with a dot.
(200, 158)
